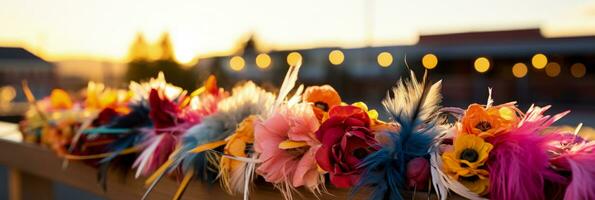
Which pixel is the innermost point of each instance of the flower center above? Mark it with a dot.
(469, 178)
(298, 152)
(360, 153)
(321, 105)
(483, 126)
(469, 155)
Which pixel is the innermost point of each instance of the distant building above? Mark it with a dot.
(567, 80)
(17, 64)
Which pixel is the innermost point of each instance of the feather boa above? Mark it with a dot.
(519, 163)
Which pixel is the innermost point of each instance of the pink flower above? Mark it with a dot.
(346, 139)
(418, 173)
(287, 147)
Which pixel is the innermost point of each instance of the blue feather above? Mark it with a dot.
(414, 108)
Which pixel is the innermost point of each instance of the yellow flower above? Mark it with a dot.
(478, 184)
(98, 97)
(236, 146)
(373, 114)
(465, 162)
(488, 122)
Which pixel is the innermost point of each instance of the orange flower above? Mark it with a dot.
(323, 98)
(60, 99)
(211, 85)
(488, 122)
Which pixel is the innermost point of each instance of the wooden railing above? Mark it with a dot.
(33, 170)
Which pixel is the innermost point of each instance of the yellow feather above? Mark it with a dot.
(102, 155)
(207, 146)
(184, 184)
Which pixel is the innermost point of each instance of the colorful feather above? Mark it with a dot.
(247, 99)
(519, 163)
(577, 156)
(413, 107)
(162, 139)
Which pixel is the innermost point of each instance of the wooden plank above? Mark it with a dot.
(40, 162)
(21, 186)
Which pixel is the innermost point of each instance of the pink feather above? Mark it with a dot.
(519, 162)
(579, 159)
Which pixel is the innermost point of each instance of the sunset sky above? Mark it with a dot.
(104, 29)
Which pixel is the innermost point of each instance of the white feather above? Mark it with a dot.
(288, 84)
(143, 159)
(490, 100)
(407, 94)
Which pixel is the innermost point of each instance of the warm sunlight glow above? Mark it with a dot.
(336, 57)
(578, 70)
(293, 58)
(482, 64)
(552, 69)
(237, 63)
(539, 61)
(385, 59)
(519, 70)
(429, 61)
(263, 61)
(67, 29)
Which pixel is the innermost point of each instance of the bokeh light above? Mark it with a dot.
(237, 63)
(482, 64)
(552, 69)
(263, 61)
(519, 70)
(336, 57)
(7, 94)
(539, 61)
(293, 58)
(578, 70)
(385, 59)
(429, 61)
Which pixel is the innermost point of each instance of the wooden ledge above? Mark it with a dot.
(34, 165)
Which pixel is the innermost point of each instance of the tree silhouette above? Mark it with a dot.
(139, 50)
(139, 66)
(166, 50)
(142, 67)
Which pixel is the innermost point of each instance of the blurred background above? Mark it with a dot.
(529, 51)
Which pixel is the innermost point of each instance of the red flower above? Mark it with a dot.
(346, 139)
(163, 112)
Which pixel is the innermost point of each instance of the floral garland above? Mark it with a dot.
(303, 140)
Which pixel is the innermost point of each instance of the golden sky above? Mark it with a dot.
(104, 29)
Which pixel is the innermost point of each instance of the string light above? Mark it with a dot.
(552, 69)
(293, 58)
(482, 64)
(539, 61)
(336, 57)
(429, 61)
(578, 70)
(385, 59)
(263, 61)
(237, 63)
(519, 70)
